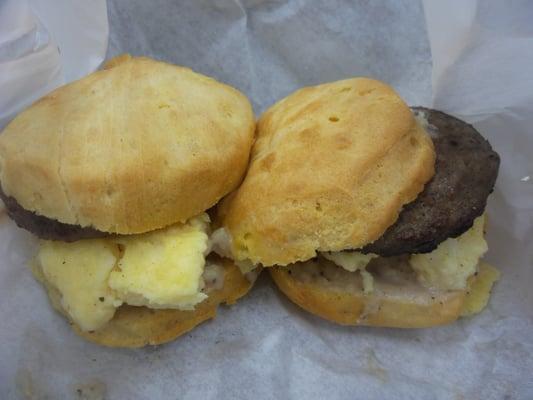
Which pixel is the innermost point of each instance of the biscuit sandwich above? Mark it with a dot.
(366, 212)
(115, 173)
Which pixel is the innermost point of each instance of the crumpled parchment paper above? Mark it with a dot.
(472, 59)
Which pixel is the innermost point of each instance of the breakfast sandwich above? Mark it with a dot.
(115, 173)
(366, 212)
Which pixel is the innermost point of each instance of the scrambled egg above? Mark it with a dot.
(478, 293)
(220, 243)
(354, 261)
(79, 271)
(160, 269)
(163, 269)
(448, 267)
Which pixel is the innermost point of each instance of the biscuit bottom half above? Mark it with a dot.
(134, 326)
(397, 300)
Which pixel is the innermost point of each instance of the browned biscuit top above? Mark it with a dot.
(331, 168)
(135, 147)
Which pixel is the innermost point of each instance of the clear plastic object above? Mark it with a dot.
(44, 44)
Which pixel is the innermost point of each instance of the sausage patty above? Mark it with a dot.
(465, 172)
(44, 227)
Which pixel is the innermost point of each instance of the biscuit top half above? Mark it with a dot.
(137, 146)
(330, 170)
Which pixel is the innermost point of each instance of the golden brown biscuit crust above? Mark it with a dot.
(135, 147)
(331, 168)
(396, 302)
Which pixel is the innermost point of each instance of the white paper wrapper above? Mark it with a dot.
(265, 347)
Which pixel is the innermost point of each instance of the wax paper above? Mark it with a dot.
(472, 59)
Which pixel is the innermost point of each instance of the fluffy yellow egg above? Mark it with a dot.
(160, 269)
(163, 269)
(449, 266)
(79, 271)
